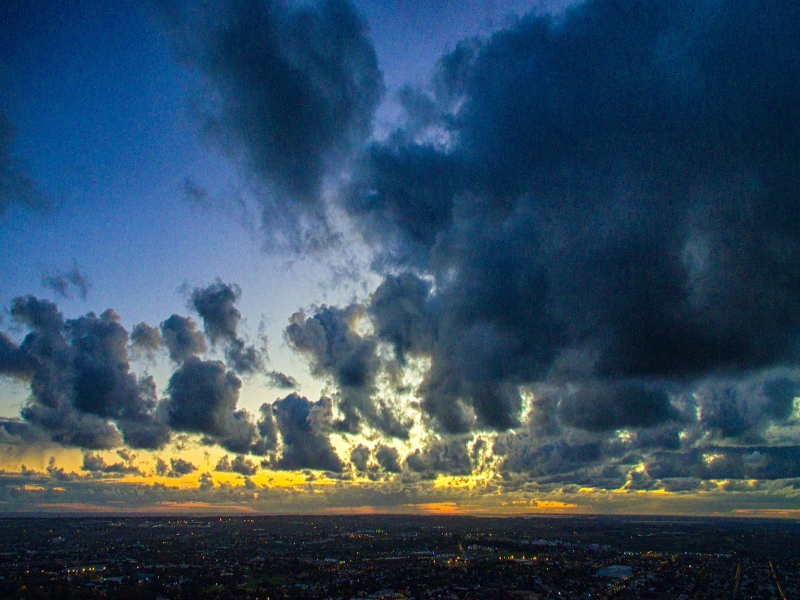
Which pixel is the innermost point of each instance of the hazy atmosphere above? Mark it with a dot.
(486, 257)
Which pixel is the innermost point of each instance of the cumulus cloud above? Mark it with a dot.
(359, 457)
(182, 339)
(58, 473)
(569, 208)
(604, 407)
(215, 304)
(177, 467)
(146, 338)
(84, 394)
(448, 455)
(94, 463)
(202, 399)
(388, 458)
(82, 390)
(16, 432)
(240, 464)
(335, 350)
(741, 409)
(304, 427)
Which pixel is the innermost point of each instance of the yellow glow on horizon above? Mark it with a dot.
(269, 479)
(436, 508)
(459, 481)
(553, 505)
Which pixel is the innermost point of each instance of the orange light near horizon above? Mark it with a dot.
(553, 505)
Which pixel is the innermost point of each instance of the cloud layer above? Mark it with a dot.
(586, 231)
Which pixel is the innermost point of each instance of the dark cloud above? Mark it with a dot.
(82, 391)
(19, 433)
(58, 473)
(13, 362)
(147, 430)
(554, 457)
(202, 399)
(161, 467)
(293, 87)
(17, 187)
(448, 456)
(334, 348)
(182, 339)
(215, 304)
(597, 437)
(146, 338)
(282, 381)
(359, 457)
(37, 314)
(399, 310)
(60, 282)
(590, 210)
(94, 463)
(721, 462)
(244, 359)
(267, 432)
(206, 482)
(240, 464)
(126, 455)
(177, 467)
(743, 408)
(586, 228)
(304, 427)
(388, 458)
(604, 407)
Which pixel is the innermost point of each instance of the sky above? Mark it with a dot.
(485, 257)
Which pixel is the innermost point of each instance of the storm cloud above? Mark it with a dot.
(601, 198)
(587, 232)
